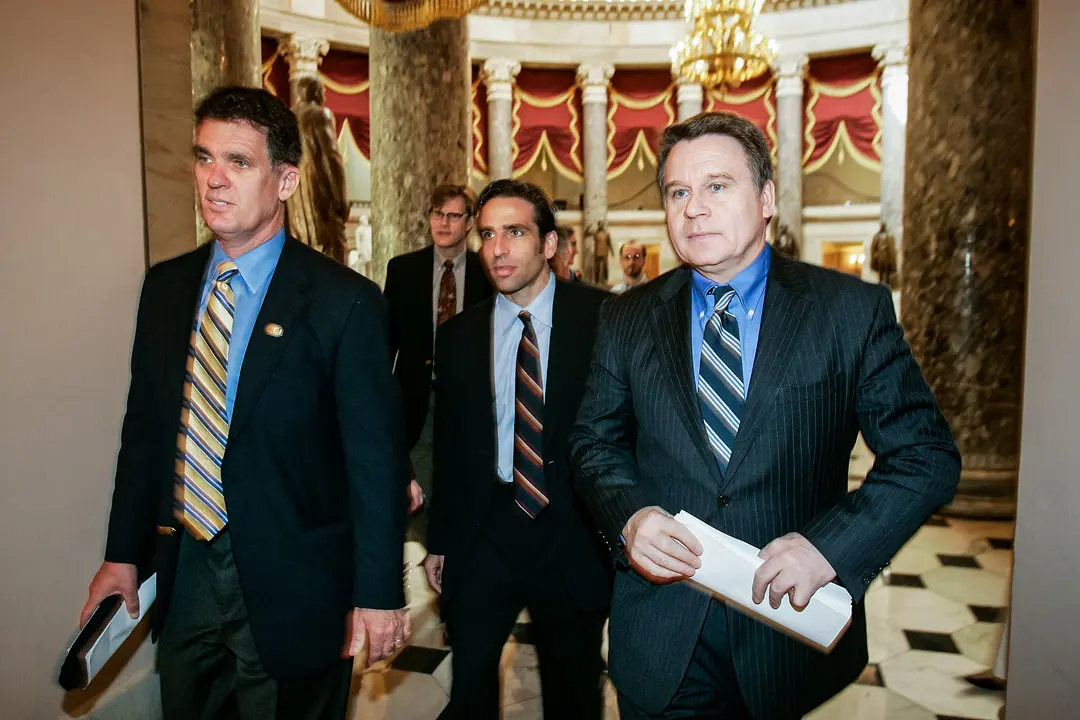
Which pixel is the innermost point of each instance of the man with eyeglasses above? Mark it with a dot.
(632, 260)
(424, 289)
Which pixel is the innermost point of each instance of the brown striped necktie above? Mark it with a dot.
(204, 422)
(529, 423)
(447, 294)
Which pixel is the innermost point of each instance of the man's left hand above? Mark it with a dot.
(792, 567)
(385, 632)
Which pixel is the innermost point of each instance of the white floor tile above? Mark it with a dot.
(864, 702)
(936, 681)
(980, 641)
(396, 695)
(969, 586)
(917, 609)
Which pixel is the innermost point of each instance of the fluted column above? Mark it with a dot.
(498, 75)
(966, 201)
(303, 53)
(689, 98)
(790, 71)
(421, 130)
(893, 58)
(593, 80)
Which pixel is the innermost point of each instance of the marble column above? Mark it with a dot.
(226, 46)
(303, 53)
(966, 200)
(498, 75)
(593, 80)
(893, 58)
(421, 130)
(689, 98)
(790, 72)
(226, 49)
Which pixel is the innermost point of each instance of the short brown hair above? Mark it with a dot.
(446, 192)
(746, 133)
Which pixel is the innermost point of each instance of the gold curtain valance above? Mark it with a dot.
(403, 15)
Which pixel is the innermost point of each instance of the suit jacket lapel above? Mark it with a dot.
(782, 322)
(558, 371)
(671, 328)
(481, 336)
(285, 298)
(475, 279)
(423, 310)
(181, 312)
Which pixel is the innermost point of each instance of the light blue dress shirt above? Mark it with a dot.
(507, 329)
(749, 286)
(249, 289)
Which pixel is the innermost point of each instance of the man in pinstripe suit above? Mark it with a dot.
(734, 388)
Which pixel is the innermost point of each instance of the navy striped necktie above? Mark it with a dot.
(529, 423)
(720, 378)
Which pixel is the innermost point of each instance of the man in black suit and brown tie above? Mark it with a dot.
(733, 388)
(423, 290)
(263, 440)
(507, 531)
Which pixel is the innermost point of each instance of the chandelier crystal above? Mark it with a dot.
(722, 49)
(406, 15)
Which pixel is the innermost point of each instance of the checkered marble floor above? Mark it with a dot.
(934, 616)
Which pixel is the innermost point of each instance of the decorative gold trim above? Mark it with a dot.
(616, 99)
(817, 89)
(477, 132)
(616, 10)
(405, 16)
(342, 88)
(842, 138)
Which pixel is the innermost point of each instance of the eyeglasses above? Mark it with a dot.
(632, 256)
(452, 217)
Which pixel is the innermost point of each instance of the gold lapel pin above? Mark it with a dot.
(274, 330)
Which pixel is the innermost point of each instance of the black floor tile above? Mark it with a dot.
(962, 561)
(523, 633)
(986, 613)
(931, 642)
(902, 580)
(951, 717)
(937, 521)
(1001, 543)
(417, 659)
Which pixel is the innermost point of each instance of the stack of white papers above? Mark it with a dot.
(727, 570)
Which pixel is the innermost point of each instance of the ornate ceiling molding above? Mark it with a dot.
(607, 10)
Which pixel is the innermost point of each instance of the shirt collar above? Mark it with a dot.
(256, 265)
(458, 259)
(748, 285)
(506, 310)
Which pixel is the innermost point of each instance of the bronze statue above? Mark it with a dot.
(319, 209)
(786, 243)
(601, 248)
(883, 256)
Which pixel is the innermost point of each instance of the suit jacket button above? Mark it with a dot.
(723, 501)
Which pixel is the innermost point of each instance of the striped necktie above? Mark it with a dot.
(529, 423)
(204, 422)
(720, 383)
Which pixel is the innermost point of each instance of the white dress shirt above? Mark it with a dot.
(507, 329)
(459, 281)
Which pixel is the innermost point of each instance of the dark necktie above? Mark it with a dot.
(720, 383)
(447, 294)
(529, 423)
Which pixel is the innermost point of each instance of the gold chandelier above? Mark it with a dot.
(722, 49)
(404, 15)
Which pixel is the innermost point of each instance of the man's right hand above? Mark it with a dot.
(112, 579)
(433, 565)
(661, 548)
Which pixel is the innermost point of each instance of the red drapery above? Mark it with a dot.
(641, 104)
(348, 94)
(843, 111)
(547, 121)
(479, 125)
(754, 100)
(275, 70)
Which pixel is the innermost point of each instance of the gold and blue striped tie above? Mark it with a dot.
(204, 422)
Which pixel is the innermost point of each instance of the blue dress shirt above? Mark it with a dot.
(749, 286)
(249, 289)
(507, 329)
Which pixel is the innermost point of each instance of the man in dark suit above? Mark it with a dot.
(734, 388)
(507, 531)
(262, 466)
(424, 289)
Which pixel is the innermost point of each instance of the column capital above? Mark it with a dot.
(593, 79)
(303, 53)
(689, 92)
(790, 71)
(890, 54)
(498, 75)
